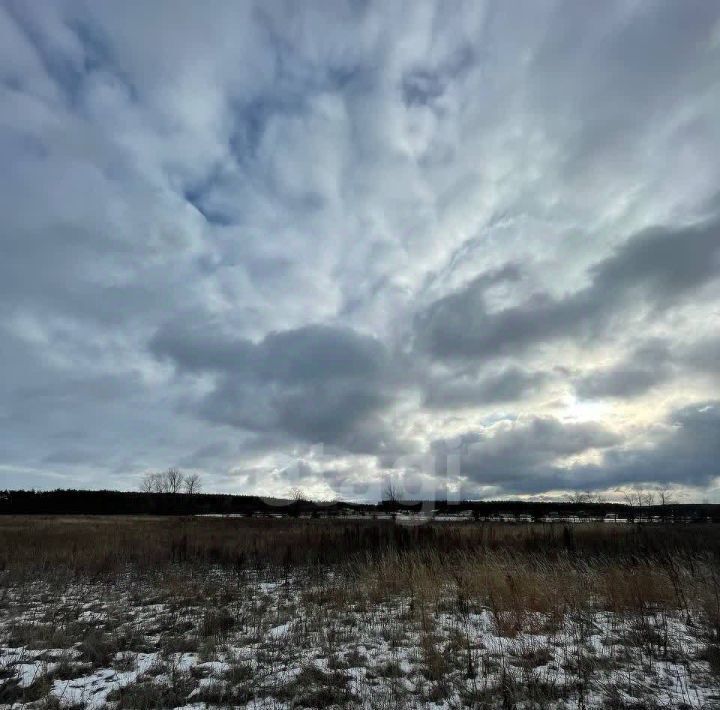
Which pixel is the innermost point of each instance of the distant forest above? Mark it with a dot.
(107, 502)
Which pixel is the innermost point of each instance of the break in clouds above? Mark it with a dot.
(474, 247)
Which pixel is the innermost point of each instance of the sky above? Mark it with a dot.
(469, 247)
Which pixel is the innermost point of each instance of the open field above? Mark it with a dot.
(201, 612)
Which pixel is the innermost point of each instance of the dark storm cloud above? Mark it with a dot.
(687, 454)
(644, 368)
(514, 453)
(623, 380)
(518, 457)
(655, 269)
(308, 354)
(509, 385)
(319, 384)
(201, 349)
(704, 356)
(654, 363)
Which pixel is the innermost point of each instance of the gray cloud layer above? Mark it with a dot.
(531, 455)
(234, 233)
(654, 270)
(321, 384)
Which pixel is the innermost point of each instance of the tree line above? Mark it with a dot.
(106, 502)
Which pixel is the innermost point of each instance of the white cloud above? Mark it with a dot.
(249, 168)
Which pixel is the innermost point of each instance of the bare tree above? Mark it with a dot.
(192, 484)
(297, 495)
(665, 495)
(582, 497)
(638, 498)
(298, 498)
(149, 483)
(154, 483)
(391, 492)
(629, 498)
(170, 481)
(174, 480)
(648, 498)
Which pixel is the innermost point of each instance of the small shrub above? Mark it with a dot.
(216, 623)
(315, 688)
(179, 644)
(389, 669)
(98, 648)
(238, 672)
(148, 694)
(711, 655)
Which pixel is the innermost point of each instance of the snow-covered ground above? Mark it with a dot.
(216, 638)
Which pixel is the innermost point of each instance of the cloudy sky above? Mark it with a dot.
(473, 246)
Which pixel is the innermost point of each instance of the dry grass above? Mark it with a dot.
(97, 545)
(569, 611)
(521, 573)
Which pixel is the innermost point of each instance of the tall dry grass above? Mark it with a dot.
(105, 544)
(517, 571)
